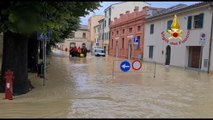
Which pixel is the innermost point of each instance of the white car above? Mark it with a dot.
(99, 52)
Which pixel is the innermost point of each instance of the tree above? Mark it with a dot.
(20, 20)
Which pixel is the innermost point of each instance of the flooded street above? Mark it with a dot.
(84, 88)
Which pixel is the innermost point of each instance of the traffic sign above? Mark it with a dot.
(125, 66)
(136, 65)
(44, 36)
(202, 39)
(136, 40)
(97, 44)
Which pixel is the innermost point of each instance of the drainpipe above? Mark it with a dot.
(210, 43)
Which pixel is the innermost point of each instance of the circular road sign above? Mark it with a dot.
(125, 66)
(136, 65)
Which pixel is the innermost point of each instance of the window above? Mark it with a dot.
(130, 30)
(117, 32)
(123, 31)
(84, 35)
(72, 35)
(169, 23)
(189, 24)
(139, 40)
(109, 22)
(104, 23)
(122, 42)
(109, 12)
(112, 44)
(102, 36)
(151, 51)
(151, 28)
(198, 21)
(139, 28)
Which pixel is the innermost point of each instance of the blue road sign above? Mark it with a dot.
(44, 36)
(136, 40)
(125, 66)
(97, 44)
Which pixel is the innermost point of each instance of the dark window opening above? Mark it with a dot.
(151, 28)
(151, 51)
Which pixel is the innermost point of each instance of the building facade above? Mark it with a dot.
(79, 37)
(124, 30)
(101, 33)
(115, 10)
(92, 22)
(193, 50)
(96, 34)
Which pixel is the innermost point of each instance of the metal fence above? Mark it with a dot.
(147, 67)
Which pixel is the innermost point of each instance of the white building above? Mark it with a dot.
(115, 10)
(194, 52)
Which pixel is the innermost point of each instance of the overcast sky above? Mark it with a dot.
(84, 20)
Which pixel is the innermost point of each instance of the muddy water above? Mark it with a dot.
(84, 88)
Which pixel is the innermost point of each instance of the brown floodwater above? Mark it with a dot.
(85, 88)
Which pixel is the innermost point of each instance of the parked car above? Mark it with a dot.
(99, 52)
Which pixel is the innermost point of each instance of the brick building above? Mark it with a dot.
(123, 31)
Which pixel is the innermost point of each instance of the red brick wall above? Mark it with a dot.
(126, 21)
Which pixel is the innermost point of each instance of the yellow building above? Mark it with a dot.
(78, 38)
(92, 22)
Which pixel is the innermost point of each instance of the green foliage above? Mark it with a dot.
(41, 16)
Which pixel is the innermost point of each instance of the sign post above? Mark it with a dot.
(44, 38)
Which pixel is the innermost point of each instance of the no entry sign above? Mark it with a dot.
(136, 65)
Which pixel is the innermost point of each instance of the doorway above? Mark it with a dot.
(194, 56)
(168, 55)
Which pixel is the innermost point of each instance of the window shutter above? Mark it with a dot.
(189, 25)
(201, 20)
(151, 28)
(169, 23)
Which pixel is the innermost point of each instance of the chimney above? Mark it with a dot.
(136, 8)
(127, 12)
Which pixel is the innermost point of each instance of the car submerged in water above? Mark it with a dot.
(99, 52)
